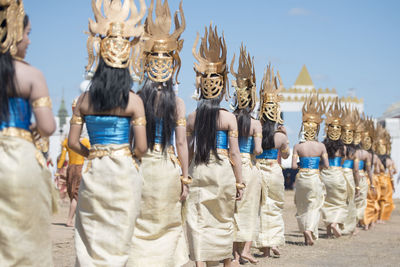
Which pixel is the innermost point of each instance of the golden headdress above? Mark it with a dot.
(348, 125)
(110, 35)
(12, 16)
(359, 127)
(211, 71)
(368, 133)
(245, 83)
(380, 140)
(313, 109)
(332, 121)
(270, 97)
(160, 48)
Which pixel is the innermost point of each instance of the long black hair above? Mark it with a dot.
(333, 146)
(160, 105)
(383, 159)
(243, 118)
(268, 133)
(109, 88)
(205, 129)
(8, 87)
(350, 150)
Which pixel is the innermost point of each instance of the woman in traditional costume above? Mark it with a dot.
(364, 166)
(216, 167)
(110, 190)
(334, 210)
(350, 169)
(159, 239)
(310, 192)
(25, 181)
(246, 211)
(274, 141)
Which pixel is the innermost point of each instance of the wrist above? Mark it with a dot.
(240, 186)
(186, 180)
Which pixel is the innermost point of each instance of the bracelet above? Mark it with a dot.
(372, 186)
(285, 150)
(42, 102)
(189, 133)
(181, 122)
(141, 121)
(257, 135)
(358, 188)
(76, 120)
(234, 134)
(188, 180)
(240, 186)
(325, 155)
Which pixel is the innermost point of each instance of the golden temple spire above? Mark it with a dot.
(304, 78)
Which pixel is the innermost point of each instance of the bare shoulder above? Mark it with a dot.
(256, 123)
(226, 114)
(191, 119)
(179, 101)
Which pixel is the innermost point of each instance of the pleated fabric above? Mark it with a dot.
(25, 205)
(351, 218)
(246, 211)
(385, 201)
(372, 207)
(210, 210)
(334, 209)
(361, 200)
(109, 200)
(272, 227)
(158, 238)
(309, 198)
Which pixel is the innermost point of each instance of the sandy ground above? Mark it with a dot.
(377, 247)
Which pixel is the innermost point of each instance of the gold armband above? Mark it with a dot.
(189, 133)
(358, 188)
(295, 156)
(76, 120)
(234, 134)
(325, 155)
(141, 121)
(257, 135)
(188, 180)
(368, 164)
(240, 186)
(181, 122)
(285, 150)
(356, 161)
(42, 102)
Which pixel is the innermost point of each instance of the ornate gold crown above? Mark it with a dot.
(211, 71)
(313, 109)
(11, 25)
(381, 140)
(332, 121)
(245, 84)
(110, 34)
(270, 97)
(348, 119)
(368, 134)
(160, 48)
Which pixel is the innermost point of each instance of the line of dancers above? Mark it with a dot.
(150, 171)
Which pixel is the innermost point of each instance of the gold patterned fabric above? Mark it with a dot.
(372, 207)
(246, 211)
(25, 205)
(272, 227)
(334, 209)
(109, 199)
(351, 218)
(385, 200)
(309, 199)
(42, 102)
(361, 200)
(209, 210)
(159, 239)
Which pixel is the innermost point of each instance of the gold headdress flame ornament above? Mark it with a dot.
(381, 141)
(160, 48)
(211, 71)
(313, 109)
(12, 25)
(245, 84)
(110, 35)
(332, 120)
(348, 124)
(359, 127)
(368, 133)
(270, 97)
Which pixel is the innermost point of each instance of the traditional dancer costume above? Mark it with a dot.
(246, 211)
(211, 202)
(25, 181)
(310, 191)
(109, 195)
(271, 233)
(159, 239)
(334, 210)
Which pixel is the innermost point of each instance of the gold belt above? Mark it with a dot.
(170, 150)
(223, 151)
(269, 162)
(245, 155)
(309, 170)
(336, 168)
(17, 132)
(361, 172)
(99, 152)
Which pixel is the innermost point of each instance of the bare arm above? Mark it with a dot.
(356, 174)
(257, 137)
(75, 130)
(139, 128)
(325, 160)
(44, 118)
(295, 157)
(234, 153)
(61, 161)
(282, 137)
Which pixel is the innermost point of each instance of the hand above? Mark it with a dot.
(185, 192)
(239, 194)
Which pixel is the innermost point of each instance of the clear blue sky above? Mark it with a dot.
(344, 44)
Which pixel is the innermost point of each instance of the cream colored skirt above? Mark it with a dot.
(309, 198)
(272, 227)
(158, 238)
(209, 209)
(246, 211)
(361, 200)
(25, 205)
(109, 200)
(351, 219)
(334, 209)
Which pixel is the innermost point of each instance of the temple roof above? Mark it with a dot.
(304, 78)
